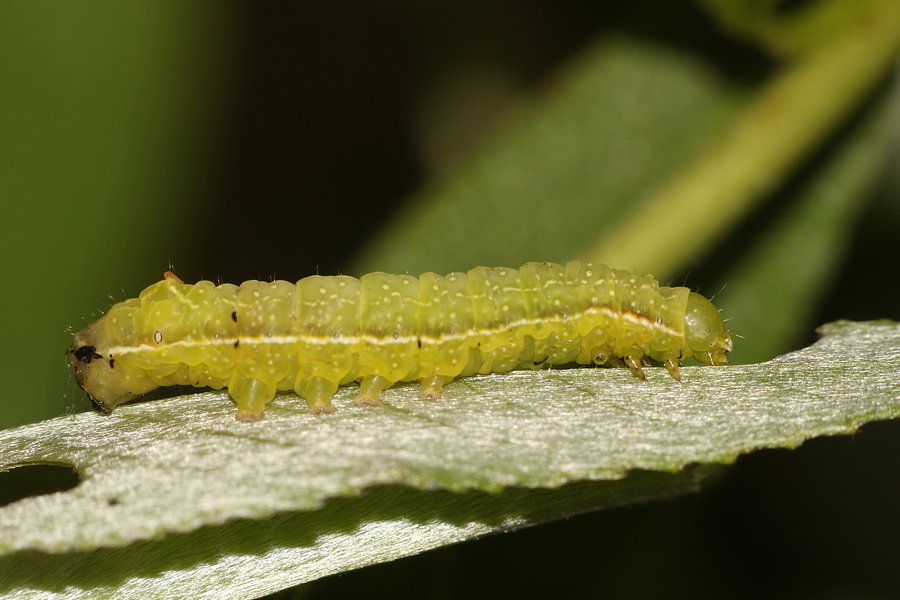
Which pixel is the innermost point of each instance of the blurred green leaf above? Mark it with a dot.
(105, 112)
(799, 29)
(770, 292)
(614, 125)
(787, 120)
(185, 465)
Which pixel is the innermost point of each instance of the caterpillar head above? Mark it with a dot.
(705, 331)
(107, 381)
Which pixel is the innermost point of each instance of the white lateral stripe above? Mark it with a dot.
(352, 340)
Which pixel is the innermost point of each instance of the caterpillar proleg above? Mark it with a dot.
(324, 332)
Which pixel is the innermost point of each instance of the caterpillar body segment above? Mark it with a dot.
(324, 332)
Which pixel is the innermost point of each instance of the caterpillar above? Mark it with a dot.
(324, 332)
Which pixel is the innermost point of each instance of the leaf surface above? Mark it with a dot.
(194, 492)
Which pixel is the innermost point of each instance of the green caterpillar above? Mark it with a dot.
(324, 332)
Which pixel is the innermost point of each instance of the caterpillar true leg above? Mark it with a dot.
(633, 361)
(672, 365)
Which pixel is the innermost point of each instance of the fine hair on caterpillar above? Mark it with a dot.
(323, 332)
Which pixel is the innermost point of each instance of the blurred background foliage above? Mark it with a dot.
(746, 148)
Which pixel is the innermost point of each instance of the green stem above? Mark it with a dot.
(789, 117)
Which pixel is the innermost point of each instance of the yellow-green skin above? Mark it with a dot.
(324, 332)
